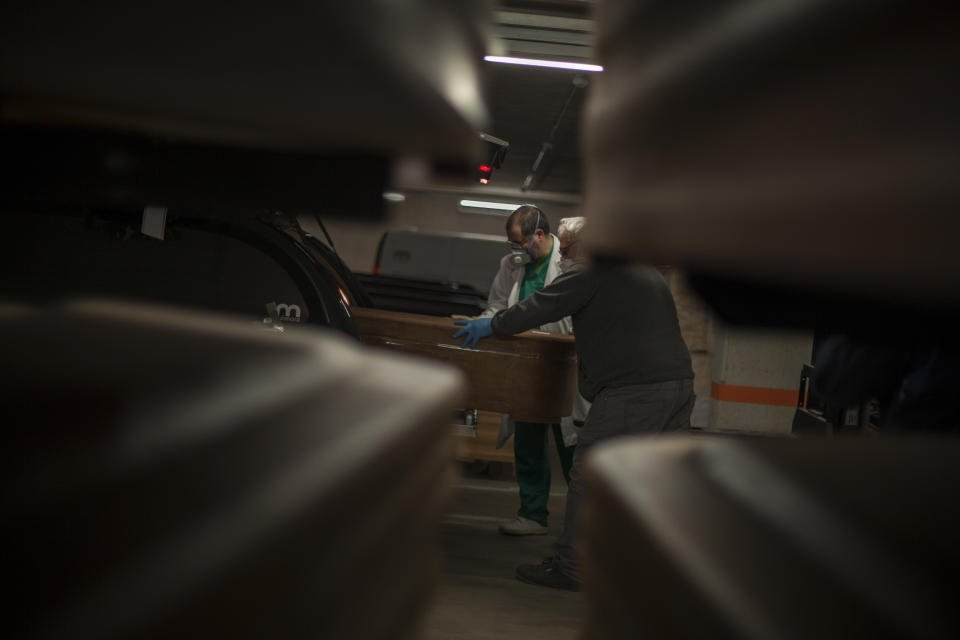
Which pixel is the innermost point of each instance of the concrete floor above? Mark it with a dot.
(479, 596)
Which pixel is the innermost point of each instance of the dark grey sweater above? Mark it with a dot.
(624, 320)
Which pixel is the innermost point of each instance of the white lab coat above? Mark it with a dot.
(505, 292)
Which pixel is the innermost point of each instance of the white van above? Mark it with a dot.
(462, 258)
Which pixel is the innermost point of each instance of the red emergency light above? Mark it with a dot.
(484, 172)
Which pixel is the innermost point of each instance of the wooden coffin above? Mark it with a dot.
(286, 93)
(180, 476)
(771, 538)
(730, 157)
(531, 376)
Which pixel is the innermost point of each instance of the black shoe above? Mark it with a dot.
(547, 574)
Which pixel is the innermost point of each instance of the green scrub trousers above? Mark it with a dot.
(532, 459)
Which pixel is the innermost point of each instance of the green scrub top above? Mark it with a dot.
(534, 276)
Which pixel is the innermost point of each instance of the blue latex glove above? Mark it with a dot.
(474, 330)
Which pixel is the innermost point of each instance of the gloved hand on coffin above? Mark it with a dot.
(474, 330)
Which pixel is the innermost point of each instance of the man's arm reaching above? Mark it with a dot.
(564, 297)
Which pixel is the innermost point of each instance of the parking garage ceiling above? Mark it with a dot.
(538, 110)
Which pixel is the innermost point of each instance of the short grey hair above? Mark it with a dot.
(571, 226)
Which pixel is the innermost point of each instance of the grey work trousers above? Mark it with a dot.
(643, 409)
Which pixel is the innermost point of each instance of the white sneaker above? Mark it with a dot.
(523, 527)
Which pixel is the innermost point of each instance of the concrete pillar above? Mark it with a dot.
(755, 378)
(746, 379)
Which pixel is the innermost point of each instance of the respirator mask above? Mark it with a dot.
(521, 257)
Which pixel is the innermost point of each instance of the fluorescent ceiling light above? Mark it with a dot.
(393, 196)
(481, 204)
(555, 64)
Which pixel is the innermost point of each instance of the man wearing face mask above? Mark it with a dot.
(533, 263)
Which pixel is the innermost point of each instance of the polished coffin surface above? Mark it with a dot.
(531, 376)
(772, 538)
(801, 142)
(200, 105)
(373, 76)
(178, 475)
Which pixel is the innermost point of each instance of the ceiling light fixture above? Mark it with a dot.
(483, 204)
(555, 64)
(393, 196)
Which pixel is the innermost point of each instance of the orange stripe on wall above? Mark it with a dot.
(754, 395)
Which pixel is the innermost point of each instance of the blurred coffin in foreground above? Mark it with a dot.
(531, 376)
(295, 106)
(696, 538)
(804, 143)
(171, 475)
(378, 77)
